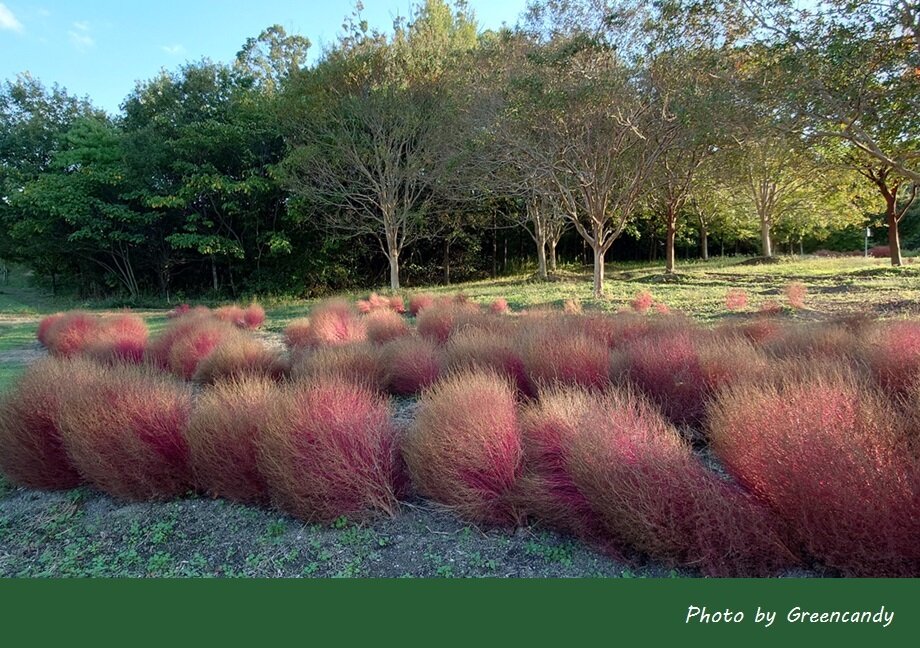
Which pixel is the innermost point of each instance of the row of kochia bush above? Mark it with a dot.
(582, 422)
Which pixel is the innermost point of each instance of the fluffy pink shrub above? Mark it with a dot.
(464, 449)
(499, 306)
(642, 301)
(735, 299)
(572, 307)
(240, 356)
(253, 316)
(123, 427)
(333, 322)
(357, 363)
(651, 494)
(662, 309)
(437, 322)
(119, 338)
(329, 450)
(397, 304)
(223, 436)
(179, 311)
(232, 314)
(546, 490)
(297, 334)
(557, 355)
(680, 370)
(385, 325)
(417, 303)
(795, 294)
(826, 455)
(45, 325)
(187, 341)
(410, 364)
(70, 334)
(893, 356)
(474, 349)
(771, 307)
(31, 450)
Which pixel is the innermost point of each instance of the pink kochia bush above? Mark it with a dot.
(795, 294)
(735, 299)
(238, 356)
(478, 349)
(652, 495)
(464, 449)
(826, 454)
(499, 306)
(680, 369)
(334, 322)
(46, 325)
(189, 340)
(385, 325)
(223, 437)
(642, 301)
(357, 363)
(893, 356)
(123, 427)
(559, 355)
(419, 302)
(119, 338)
(410, 364)
(68, 334)
(297, 334)
(31, 450)
(546, 490)
(330, 449)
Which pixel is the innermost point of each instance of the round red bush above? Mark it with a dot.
(123, 427)
(410, 364)
(31, 451)
(223, 437)
(240, 356)
(385, 325)
(329, 450)
(464, 449)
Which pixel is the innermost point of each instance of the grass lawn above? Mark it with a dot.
(85, 533)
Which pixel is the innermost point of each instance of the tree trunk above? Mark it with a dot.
(394, 270)
(669, 248)
(552, 255)
(894, 240)
(801, 247)
(494, 247)
(541, 260)
(704, 243)
(214, 273)
(598, 273)
(765, 243)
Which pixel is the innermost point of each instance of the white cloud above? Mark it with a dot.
(81, 41)
(173, 50)
(81, 25)
(8, 21)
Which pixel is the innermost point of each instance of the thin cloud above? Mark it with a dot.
(174, 49)
(8, 21)
(81, 41)
(81, 25)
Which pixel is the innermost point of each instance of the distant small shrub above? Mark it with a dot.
(333, 322)
(195, 343)
(642, 301)
(499, 306)
(69, 335)
(572, 307)
(253, 316)
(397, 304)
(475, 349)
(232, 314)
(795, 294)
(464, 449)
(662, 309)
(45, 325)
(735, 299)
(771, 307)
(240, 356)
(556, 356)
(893, 356)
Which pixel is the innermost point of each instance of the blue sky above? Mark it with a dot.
(100, 48)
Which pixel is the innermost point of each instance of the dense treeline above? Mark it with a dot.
(594, 129)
